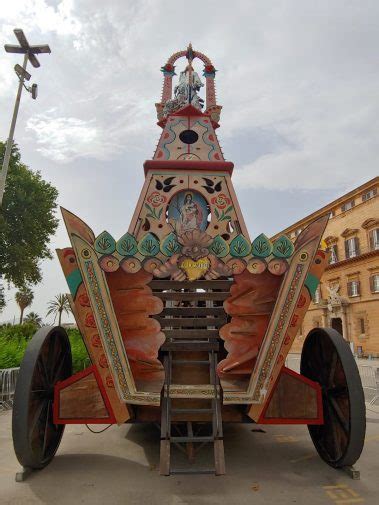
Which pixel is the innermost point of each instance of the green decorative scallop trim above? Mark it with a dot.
(261, 246)
(170, 245)
(283, 247)
(105, 243)
(148, 245)
(127, 245)
(240, 247)
(219, 247)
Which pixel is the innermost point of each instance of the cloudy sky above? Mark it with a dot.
(298, 81)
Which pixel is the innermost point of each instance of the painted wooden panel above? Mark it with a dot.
(85, 320)
(295, 399)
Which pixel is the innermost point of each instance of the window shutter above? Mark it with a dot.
(372, 287)
(358, 287)
(371, 235)
(347, 249)
(343, 208)
(349, 290)
(356, 246)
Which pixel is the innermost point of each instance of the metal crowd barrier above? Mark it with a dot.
(8, 378)
(369, 382)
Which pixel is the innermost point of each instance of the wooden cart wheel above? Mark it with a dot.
(47, 360)
(327, 359)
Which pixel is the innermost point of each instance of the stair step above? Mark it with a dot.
(191, 439)
(191, 411)
(183, 471)
(189, 361)
(190, 345)
(191, 334)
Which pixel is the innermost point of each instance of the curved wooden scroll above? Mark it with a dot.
(133, 303)
(291, 294)
(251, 304)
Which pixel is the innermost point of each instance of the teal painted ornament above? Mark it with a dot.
(283, 247)
(239, 247)
(311, 282)
(219, 247)
(149, 245)
(105, 243)
(127, 245)
(170, 245)
(261, 246)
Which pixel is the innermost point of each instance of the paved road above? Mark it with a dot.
(119, 466)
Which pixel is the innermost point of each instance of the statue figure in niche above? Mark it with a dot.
(188, 211)
(186, 91)
(191, 215)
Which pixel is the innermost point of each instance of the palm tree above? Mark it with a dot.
(24, 298)
(33, 317)
(60, 304)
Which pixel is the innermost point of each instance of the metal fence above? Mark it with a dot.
(8, 378)
(369, 382)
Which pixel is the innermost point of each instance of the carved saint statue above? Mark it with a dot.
(186, 91)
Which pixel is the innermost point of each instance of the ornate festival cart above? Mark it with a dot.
(187, 319)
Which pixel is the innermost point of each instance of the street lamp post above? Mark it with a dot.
(29, 53)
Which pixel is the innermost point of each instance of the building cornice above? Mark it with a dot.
(356, 259)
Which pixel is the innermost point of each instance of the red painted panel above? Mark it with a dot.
(71, 380)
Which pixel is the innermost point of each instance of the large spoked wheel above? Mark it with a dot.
(327, 359)
(47, 360)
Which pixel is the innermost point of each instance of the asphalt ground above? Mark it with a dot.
(278, 465)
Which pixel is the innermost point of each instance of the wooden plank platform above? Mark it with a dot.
(223, 285)
(197, 296)
(180, 322)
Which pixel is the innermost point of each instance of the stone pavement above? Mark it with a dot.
(120, 466)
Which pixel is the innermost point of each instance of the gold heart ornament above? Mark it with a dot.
(195, 269)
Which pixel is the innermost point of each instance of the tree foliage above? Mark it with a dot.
(27, 221)
(2, 298)
(33, 318)
(24, 298)
(60, 304)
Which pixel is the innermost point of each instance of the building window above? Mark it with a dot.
(352, 247)
(369, 194)
(317, 296)
(374, 239)
(353, 288)
(361, 323)
(333, 254)
(331, 214)
(347, 206)
(374, 283)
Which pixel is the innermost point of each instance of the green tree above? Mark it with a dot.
(2, 299)
(34, 318)
(27, 221)
(59, 305)
(24, 298)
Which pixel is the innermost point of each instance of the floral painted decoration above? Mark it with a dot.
(221, 201)
(209, 71)
(168, 70)
(84, 300)
(156, 199)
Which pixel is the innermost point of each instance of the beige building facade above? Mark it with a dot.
(347, 298)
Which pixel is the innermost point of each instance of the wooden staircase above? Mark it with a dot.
(191, 318)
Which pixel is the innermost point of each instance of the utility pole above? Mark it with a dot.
(29, 53)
